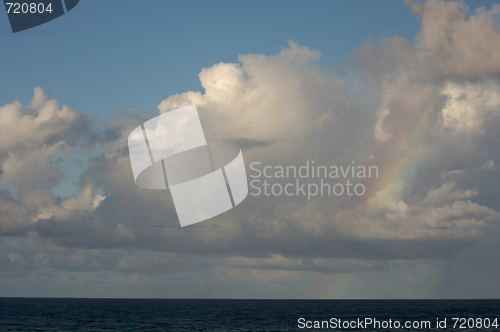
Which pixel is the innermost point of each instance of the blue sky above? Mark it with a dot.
(112, 55)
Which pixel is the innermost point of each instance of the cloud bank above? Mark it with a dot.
(426, 112)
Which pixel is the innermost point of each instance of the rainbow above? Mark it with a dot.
(399, 156)
(338, 286)
(398, 160)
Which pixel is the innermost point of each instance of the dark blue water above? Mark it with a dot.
(42, 314)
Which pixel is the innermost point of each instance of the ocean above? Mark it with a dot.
(61, 314)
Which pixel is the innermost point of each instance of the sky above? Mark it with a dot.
(410, 87)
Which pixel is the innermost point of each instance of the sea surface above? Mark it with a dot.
(54, 314)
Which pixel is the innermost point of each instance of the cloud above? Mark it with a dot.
(433, 119)
(469, 106)
(461, 44)
(489, 166)
(444, 213)
(31, 138)
(265, 98)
